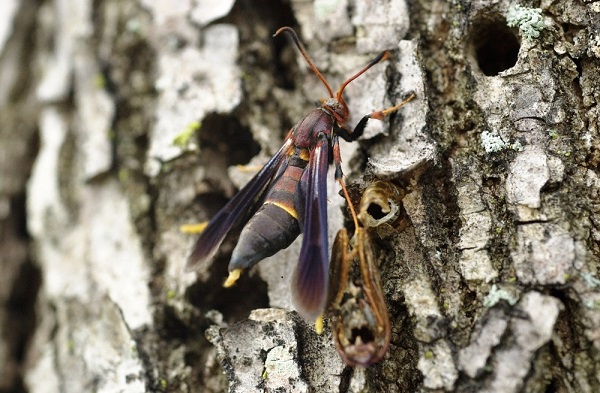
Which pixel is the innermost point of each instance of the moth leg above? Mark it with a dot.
(249, 168)
(319, 324)
(350, 136)
(233, 276)
(339, 177)
(193, 228)
(381, 114)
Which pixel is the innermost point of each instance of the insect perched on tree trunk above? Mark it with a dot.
(289, 196)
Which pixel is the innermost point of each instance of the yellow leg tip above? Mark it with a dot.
(193, 228)
(232, 278)
(249, 168)
(319, 324)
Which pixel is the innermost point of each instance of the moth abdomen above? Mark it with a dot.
(274, 226)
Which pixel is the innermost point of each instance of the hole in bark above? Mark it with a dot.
(376, 211)
(209, 203)
(229, 137)
(259, 51)
(494, 46)
(570, 31)
(235, 303)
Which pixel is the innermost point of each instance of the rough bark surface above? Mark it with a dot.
(121, 121)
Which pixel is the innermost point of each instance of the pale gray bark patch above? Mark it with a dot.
(263, 353)
(513, 359)
(192, 83)
(538, 244)
(379, 24)
(474, 357)
(206, 11)
(528, 174)
(95, 280)
(99, 354)
(476, 223)
(8, 11)
(409, 146)
(95, 114)
(437, 365)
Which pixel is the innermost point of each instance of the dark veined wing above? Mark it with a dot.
(235, 210)
(310, 280)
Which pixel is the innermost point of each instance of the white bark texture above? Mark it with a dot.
(121, 121)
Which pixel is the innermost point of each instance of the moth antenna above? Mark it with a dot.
(292, 33)
(382, 56)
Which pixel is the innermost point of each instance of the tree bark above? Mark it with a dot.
(122, 121)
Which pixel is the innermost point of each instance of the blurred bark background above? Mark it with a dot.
(121, 121)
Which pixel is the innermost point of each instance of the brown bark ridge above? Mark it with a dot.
(122, 121)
